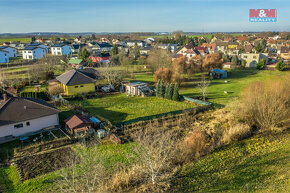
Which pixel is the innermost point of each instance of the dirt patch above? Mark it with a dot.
(38, 164)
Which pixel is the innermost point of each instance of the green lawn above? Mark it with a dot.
(15, 39)
(237, 80)
(119, 107)
(10, 179)
(43, 88)
(258, 164)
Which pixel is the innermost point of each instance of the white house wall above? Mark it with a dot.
(35, 125)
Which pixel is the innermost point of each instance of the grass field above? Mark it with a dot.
(257, 164)
(237, 80)
(22, 40)
(120, 107)
(10, 179)
(197, 35)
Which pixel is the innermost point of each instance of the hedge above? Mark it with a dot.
(40, 95)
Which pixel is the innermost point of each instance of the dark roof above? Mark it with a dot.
(58, 45)
(3, 47)
(75, 77)
(90, 72)
(98, 54)
(285, 49)
(31, 48)
(18, 109)
(77, 120)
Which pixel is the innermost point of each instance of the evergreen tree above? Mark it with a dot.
(170, 91)
(166, 95)
(235, 60)
(175, 95)
(157, 89)
(280, 66)
(114, 50)
(84, 54)
(162, 89)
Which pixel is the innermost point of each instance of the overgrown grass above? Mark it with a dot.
(257, 164)
(119, 107)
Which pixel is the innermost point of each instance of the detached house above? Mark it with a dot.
(253, 59)
(11, 52)
(33, 53)
(23, 116)
(171, 47)
(61, 50)
(4, 56)
(76, 82)
(285, 52)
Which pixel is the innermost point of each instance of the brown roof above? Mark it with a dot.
(285, 49)
(77, 121)
(17, 109)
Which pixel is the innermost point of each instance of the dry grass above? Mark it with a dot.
(266, 105)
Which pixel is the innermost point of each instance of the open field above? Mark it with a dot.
(15, 40)
(197, 35)
(257, 164)
(120, 107)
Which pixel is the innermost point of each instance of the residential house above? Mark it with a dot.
(222, 46)
(137, 89)
(104, 40)
(100, 47)
(202, 50)
(249, 48)
(132, 43)
(76, 82)
(61, 50)
(33, 53)
(75, 48)
(285, 53)
(171, 47)
(100, 57)
(4, 57)
(144, 51)
(185, 49)
(253, 59)
(11, 52)
(23, 116)
(79, 125)
(242, 39)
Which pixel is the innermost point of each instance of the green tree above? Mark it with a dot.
(166, 95)
(280, 66)
(84, 54)
(201, 41)
(158, 88)
(259, 48)
(114, 50)
(170, 92)
(244, 63)
(175, 95)
(162, 89)
(235, 60)
(261, 64)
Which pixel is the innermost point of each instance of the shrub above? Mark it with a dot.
(280, 66)
(261, 64)
(266, 105)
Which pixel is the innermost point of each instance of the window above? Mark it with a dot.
(18, 126)
(255, 57)
(27, 123)
(245, 56)
(81, 86)
(76, 86)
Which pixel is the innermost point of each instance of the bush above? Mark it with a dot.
(280, 66)
(39, 95)
(261, 64)
(266, 105)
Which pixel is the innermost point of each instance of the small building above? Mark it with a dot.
(228, 65)
(76, 82)
(132, 43)
(284, 53)
(33, 53)
(137, 89)
(75, 63)
(218, 73)
(79, 125)
(61, 50)
(22, 116)
(171, 47)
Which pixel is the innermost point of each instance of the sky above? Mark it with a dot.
(20, 16)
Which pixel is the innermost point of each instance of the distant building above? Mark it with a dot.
(61, 50)
(285, 52)
(132, 43)
(11, 52)
(4, 56)
(99, 57)
(33, 53)
(171, 47)
(253, 59)
(137, 89)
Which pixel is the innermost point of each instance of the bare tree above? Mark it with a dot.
(155, 152)
(112, 75)
(55, 90)
(86, 173)
(158, 58)
(203, 87)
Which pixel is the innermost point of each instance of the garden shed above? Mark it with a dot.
(218, 73)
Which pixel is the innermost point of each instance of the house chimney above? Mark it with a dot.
(5, 98)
